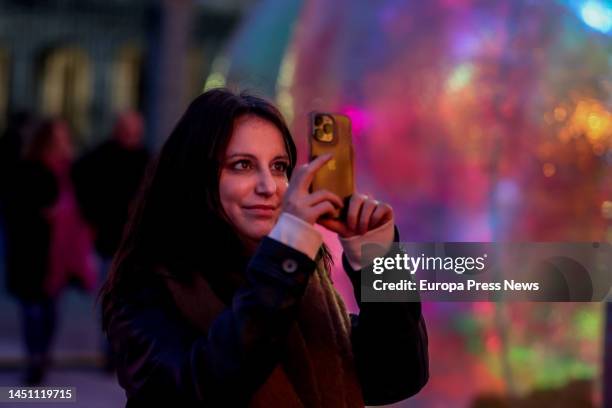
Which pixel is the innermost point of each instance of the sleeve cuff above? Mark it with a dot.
(298, 234)
(352, 246)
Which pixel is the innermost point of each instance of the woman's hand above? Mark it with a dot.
(300, 202)
(364, 214)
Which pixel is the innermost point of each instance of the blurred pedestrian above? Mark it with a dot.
(107, 180)
(48, 243)
(18, 130)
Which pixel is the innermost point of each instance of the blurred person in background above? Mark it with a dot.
(17, 132)
(48, 243)
(107, 179)
(220, 293)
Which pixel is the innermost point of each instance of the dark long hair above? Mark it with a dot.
(177, 222)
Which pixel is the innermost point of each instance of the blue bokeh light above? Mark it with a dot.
(597, 15)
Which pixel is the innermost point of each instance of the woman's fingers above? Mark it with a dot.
(298, 200)
(303, 177)
(367, 209)
(336, 226)
(365, 214)
(352, 216)
(382, 214)
(320, 209)
(322, 195)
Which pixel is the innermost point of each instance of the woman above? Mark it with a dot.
(220, 295)
(48, 243)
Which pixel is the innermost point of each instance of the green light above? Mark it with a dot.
(460, 77)
(588, 324)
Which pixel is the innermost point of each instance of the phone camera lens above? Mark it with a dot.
(328, 128)
(318, 120)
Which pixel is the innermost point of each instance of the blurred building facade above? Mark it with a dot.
(86, 60)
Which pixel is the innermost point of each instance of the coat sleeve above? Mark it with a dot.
(161, 360)
(389, 344)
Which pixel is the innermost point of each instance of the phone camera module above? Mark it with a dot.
(321, 136)
(323, 128)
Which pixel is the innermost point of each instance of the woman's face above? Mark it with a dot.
(254, 178)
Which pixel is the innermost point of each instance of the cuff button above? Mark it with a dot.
(289, 265)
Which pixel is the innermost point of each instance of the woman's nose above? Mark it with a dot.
(266, 184)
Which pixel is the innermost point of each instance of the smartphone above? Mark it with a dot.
(331, 133)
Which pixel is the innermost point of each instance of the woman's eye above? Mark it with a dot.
(281, 166)
(242, 165)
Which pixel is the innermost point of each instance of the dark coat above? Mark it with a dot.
(161, 359)
(31, 190)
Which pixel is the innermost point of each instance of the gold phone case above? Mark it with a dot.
(331, 133)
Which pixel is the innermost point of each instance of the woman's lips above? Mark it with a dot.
(266, 211)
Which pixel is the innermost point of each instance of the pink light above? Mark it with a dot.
(360, 119)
